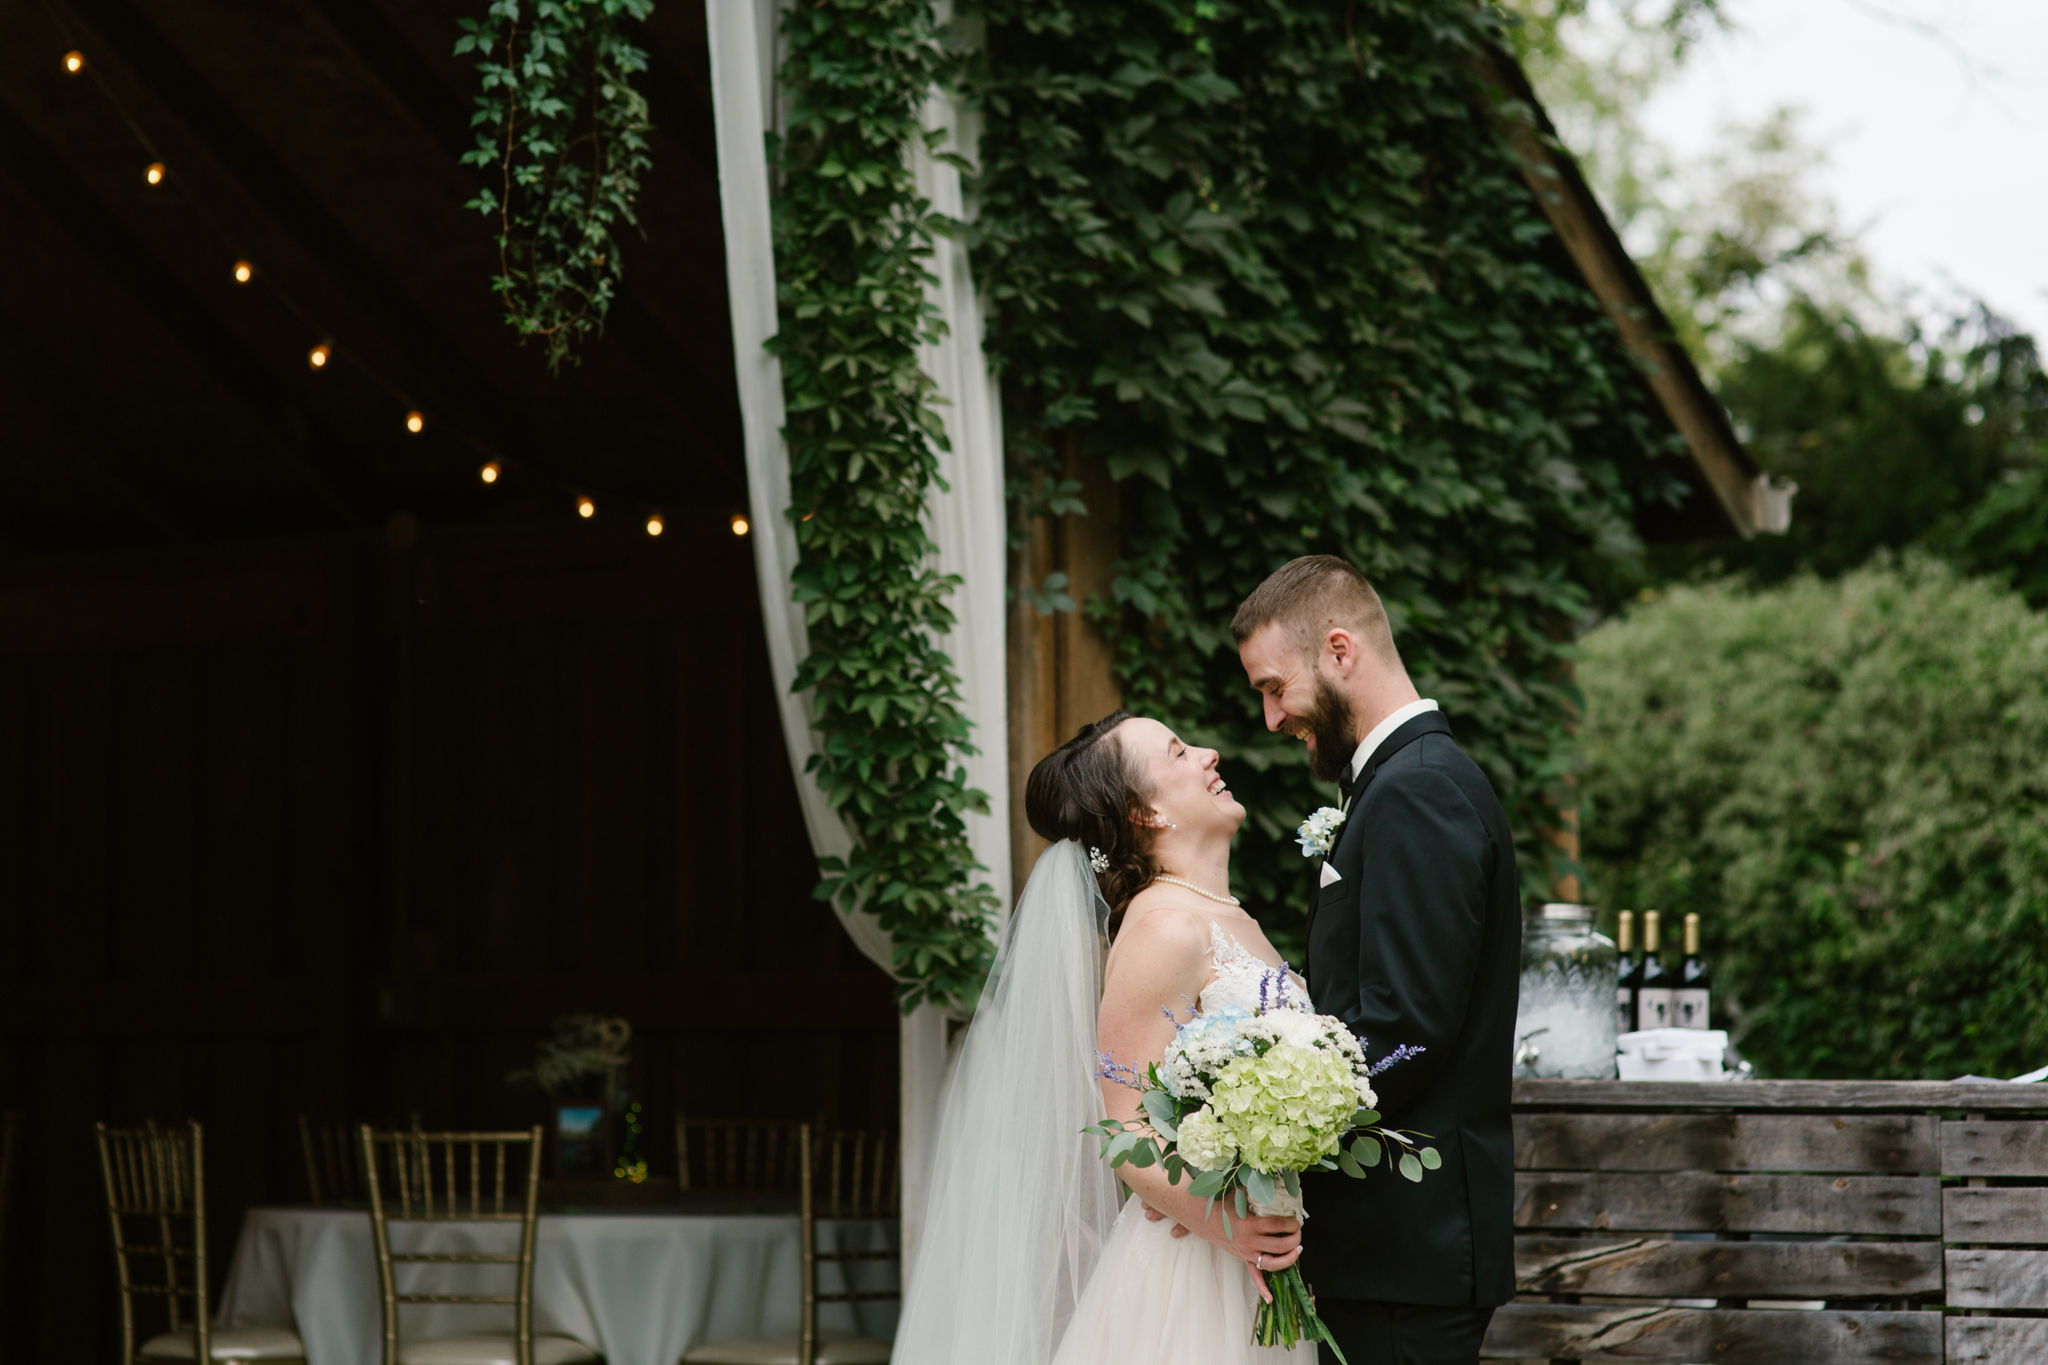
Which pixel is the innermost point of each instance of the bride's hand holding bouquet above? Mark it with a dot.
(1241, 1103)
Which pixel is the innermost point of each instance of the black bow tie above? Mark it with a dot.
(1344, 787)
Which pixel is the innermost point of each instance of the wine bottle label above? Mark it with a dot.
(1624, 1010)
(1689, 1008)
(1655, 1007)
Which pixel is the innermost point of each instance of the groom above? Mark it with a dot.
(1414, 938)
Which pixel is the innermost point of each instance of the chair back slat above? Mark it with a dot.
(860, 1181)
(413, 1162)
(759, 1155)
(155, 1178)
(334, 1162)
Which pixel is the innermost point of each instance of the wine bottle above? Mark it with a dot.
(1695, 981)
(1628, 973)
(1654, 994)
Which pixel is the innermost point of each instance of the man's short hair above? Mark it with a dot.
(1309, 597)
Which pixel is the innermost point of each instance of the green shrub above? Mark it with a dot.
(1848, 780)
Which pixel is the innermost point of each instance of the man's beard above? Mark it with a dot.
(1332, 721)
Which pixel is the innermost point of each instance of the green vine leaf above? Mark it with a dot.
(853, 244)
(1271, 264)
(561, 134)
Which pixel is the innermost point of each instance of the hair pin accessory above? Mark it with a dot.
(1097, 860)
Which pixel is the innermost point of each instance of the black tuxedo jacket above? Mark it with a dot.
(1420, 943)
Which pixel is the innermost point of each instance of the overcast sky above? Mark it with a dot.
(1934, 118)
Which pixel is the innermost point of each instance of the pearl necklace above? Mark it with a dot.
(1220, 900)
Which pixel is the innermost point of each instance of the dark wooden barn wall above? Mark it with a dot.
(215, 767)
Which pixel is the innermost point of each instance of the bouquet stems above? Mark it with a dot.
(1291, 1316)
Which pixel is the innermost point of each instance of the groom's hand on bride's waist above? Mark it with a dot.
(1279, 1227)
(1154, 1216)
(1264, 1243)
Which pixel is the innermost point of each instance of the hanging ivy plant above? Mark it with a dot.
(561, 135)
(852, 242)
(1271, 263)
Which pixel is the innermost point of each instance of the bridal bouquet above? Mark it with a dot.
(1244, 1101)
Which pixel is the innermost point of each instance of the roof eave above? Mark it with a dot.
(1753, 501)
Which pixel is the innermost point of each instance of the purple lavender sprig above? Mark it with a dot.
(1110, 1069)
(1273, 988)
(1396, 1057)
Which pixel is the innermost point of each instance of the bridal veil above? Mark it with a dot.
(1019, 1203)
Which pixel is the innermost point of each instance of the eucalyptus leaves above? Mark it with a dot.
(562, 136)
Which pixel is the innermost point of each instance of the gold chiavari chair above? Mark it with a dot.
(442, 1178)
(334, 1162)
(737, 1154)
(860, 1180)
(156, 1207)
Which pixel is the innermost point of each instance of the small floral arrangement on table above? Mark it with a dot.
(1243, 1102)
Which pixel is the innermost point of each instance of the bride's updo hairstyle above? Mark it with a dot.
(1088, 791)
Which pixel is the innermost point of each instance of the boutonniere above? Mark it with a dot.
(1318, 833)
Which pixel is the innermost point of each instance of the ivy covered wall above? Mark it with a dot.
(1271, 263)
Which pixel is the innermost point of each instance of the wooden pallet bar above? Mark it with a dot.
(1829, 1223)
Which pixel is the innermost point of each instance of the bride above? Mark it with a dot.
(1023, 1257)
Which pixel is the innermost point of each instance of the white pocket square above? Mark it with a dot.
(1331, 874)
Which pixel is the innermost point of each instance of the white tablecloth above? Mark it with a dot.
(641, 1287)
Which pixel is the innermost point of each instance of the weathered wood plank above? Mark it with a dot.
(1997, 1279)
(1754, 1096)
(1998, 1216)
(1649, 1267)
(1995, 1147)
(1678, 1336)
(1997, 1341)
(1898, 1143)
(1685, 1201)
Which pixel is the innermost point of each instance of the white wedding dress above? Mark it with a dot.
(1022, 1255)
(1157, 1297)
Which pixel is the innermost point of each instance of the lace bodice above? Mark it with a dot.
(1238, 974)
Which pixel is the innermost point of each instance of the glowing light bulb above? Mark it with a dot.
(74, 62)
(585, 508)
(154, 172)
(654, 524)
(319, 356)
(415, 422)
(489, 473)
(244, 272)
(739, 525)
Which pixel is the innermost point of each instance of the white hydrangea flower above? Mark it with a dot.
(1204, 1142)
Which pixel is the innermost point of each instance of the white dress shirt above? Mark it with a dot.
(1371, 743)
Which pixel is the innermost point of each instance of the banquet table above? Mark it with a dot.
(641, 1286)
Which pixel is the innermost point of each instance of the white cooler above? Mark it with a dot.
(1672, 1054)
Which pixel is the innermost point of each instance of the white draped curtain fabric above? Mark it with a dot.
(966, 519)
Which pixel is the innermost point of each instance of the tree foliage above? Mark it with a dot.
(1890, 437)
(1726, 238)
(562, 135)
(1272, 263)
(852, 237)
(1848, 780)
